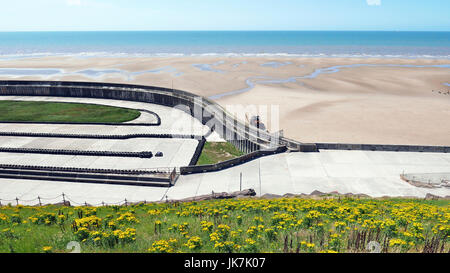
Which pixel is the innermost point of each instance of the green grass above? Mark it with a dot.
(33, 111)
(215, 152)
(239, 225)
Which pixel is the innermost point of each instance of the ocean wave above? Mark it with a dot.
(212, 54)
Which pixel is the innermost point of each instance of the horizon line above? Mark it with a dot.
(243, 30)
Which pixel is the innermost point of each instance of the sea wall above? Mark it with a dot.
(244, 137)
(385, 148)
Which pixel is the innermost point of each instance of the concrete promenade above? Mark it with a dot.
(376, 174)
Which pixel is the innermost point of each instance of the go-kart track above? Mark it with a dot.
(177, 152)
(110, 163)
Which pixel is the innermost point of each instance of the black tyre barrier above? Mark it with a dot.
(81, 170)
(145, 154)
(147, 178)
(77, 152)
(83, 136)
(198, 152)
(386, 148)
(232, 162)
(95, 178)
(81, 123)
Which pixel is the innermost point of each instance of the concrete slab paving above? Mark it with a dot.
(279, 182)
(280, 174)
(327, 172)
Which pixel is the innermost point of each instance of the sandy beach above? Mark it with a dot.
(351, 100)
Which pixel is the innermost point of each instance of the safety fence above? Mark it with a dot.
(65, 200)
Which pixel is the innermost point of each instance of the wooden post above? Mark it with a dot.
(259, 172)
(17, 201)
(39, 198)
(240, 183)
(64, 199)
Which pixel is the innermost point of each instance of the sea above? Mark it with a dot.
(359, 44)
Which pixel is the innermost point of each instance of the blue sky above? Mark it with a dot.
(62, 15)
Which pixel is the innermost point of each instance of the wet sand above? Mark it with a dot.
(384, 101)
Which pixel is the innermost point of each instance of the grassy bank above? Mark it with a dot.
(64, 112)
(245, 225)
(215, 152)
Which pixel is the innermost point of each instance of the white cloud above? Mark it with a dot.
(73, 2)
(373, 2)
